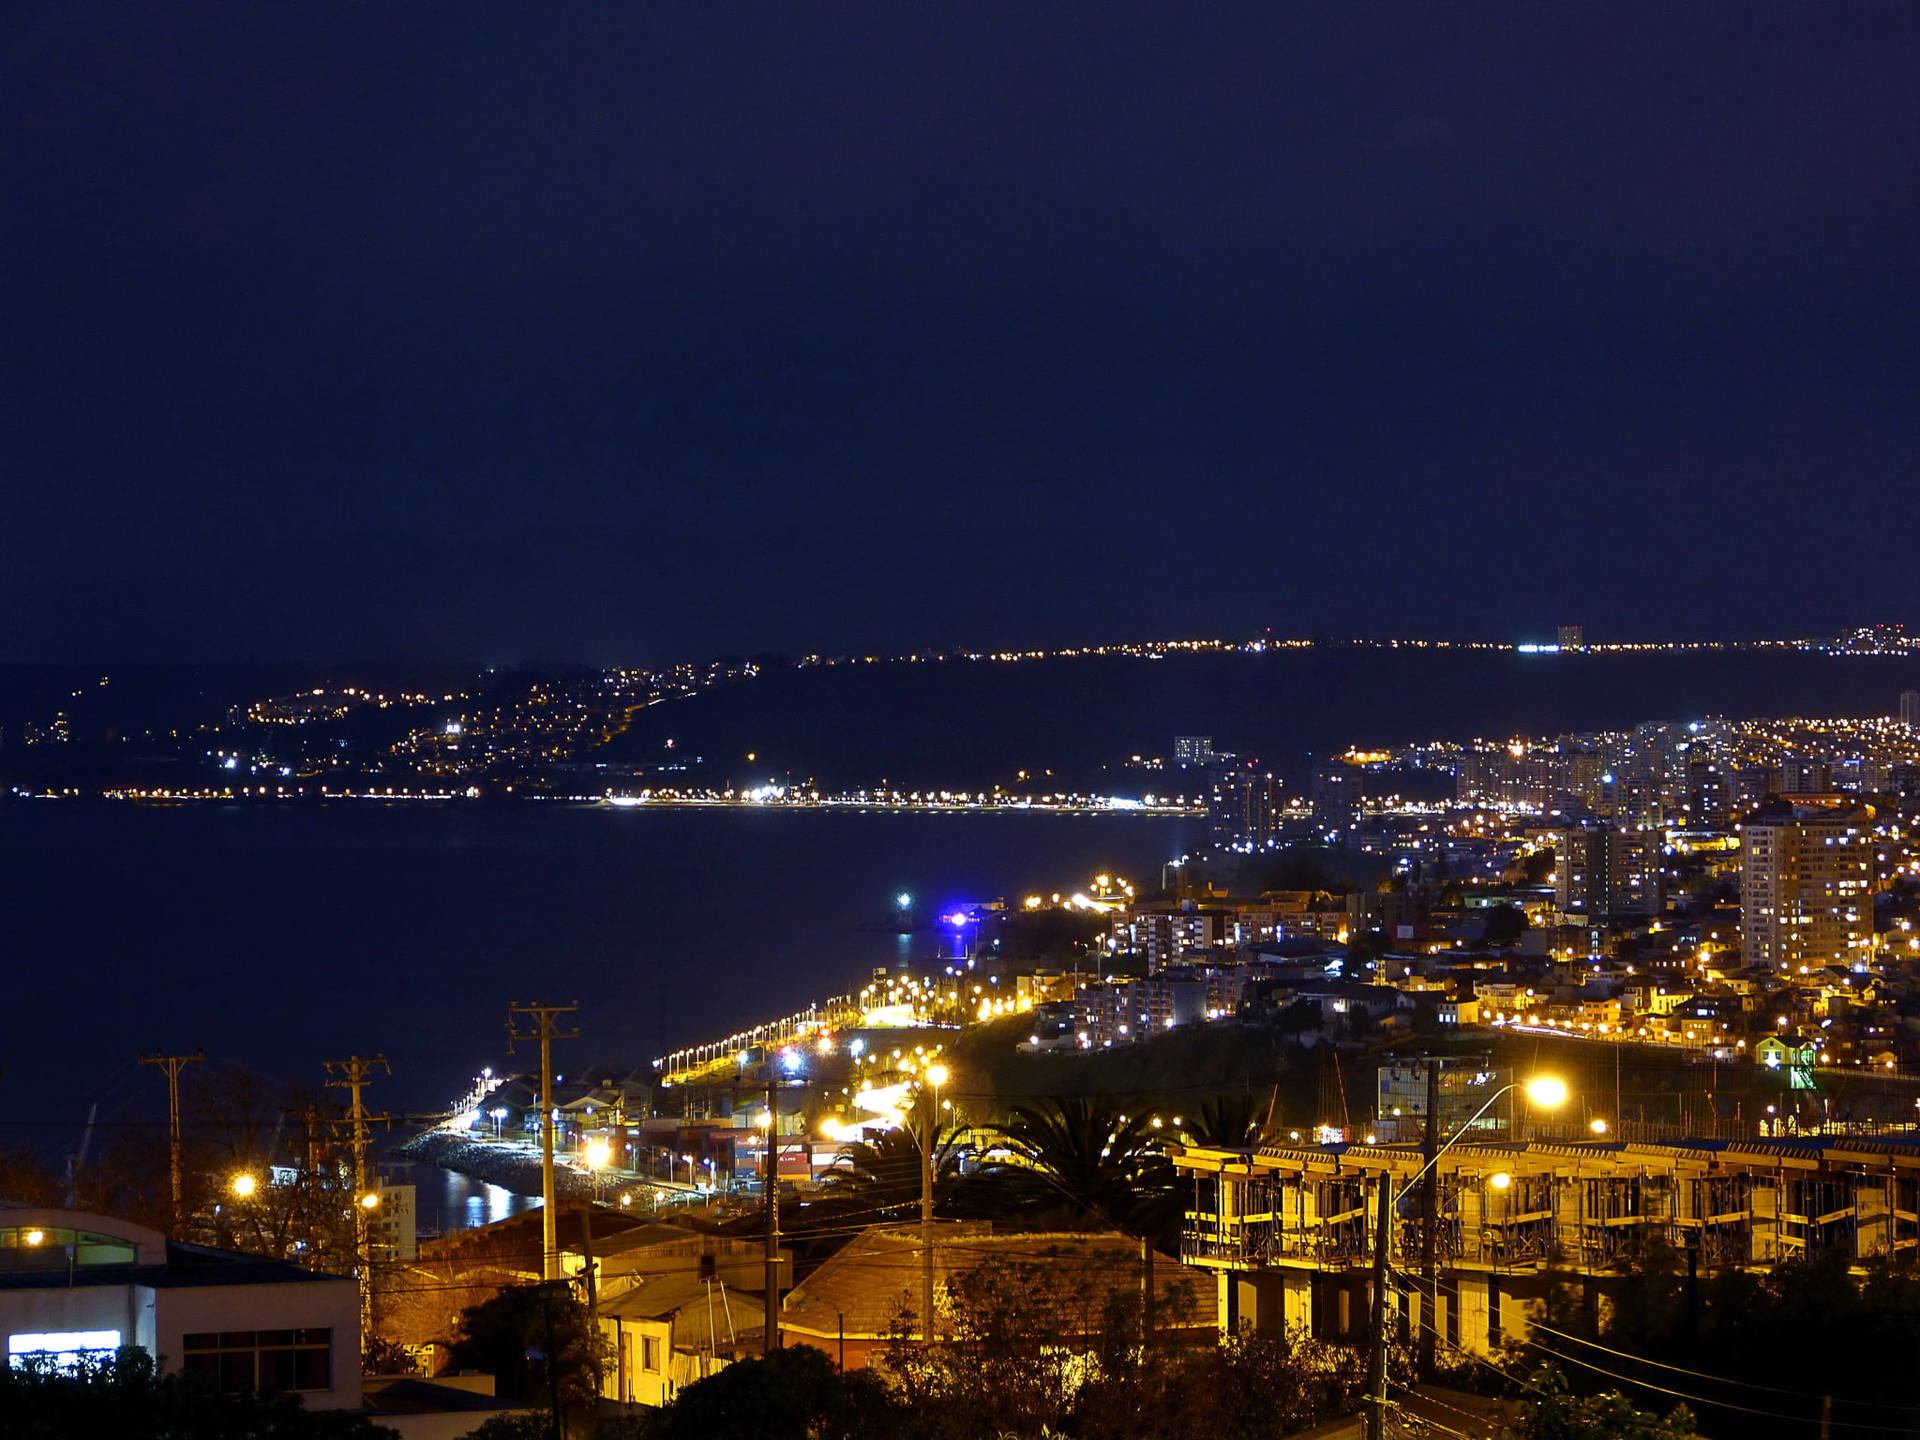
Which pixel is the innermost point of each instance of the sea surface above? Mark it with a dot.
(281, 938)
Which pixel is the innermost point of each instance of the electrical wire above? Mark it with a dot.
(1719, 1379)
(1720, 1404)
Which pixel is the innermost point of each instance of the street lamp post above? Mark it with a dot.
(1544, 1091)
(936, 1077)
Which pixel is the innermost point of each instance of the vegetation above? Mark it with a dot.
(125, 1397)
(1727, 1332)
(538, 1343)
(791, 1393)
(881, 1179)
(1559, 1414)
(1036, 1350)
(1091, 1162)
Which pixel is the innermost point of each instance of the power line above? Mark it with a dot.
(1720, 1379)
(1721, 1404)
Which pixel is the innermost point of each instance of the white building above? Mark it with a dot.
(73, 1283)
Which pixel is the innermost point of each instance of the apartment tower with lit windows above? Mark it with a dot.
(1806, 885)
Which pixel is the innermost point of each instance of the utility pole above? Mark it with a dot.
(1429, 1223)
(1377, 1330)
(353, 1075)
(543, 1017)
(926, 1228)
(172, 1064)
(773, 1213)
(936, 1077)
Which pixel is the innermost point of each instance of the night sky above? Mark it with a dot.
(644, 332)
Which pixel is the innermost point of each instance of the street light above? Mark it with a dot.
(243, 1185)
(1548, 1092)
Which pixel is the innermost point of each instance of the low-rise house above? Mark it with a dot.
(74, 1283)
(851, 1305)
(675, 1328)
(675, 1305)
(448, 1407)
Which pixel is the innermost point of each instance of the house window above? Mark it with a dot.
(60, 1347)
(650, 1353)
(261, 1359)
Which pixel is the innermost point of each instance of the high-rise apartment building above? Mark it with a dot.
(1805, 777)
(1709, 796)
(1604, 874)
(1245, 807)
(1910, 709)
(1752, 784)
(1336, 797)
(1573, 637)
(1193, 749)
(1806, 886)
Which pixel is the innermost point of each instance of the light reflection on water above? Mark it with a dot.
(447, 1201)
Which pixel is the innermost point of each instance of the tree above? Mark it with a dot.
(1101, 1164)
(1255, 1386)
(885, 1174)
(537, 1341)
(1561, 1415)
(1228, 1121)
(1043, 1348)
(789, 1394)
(1022, 1332)
(1537, 868)
(1505, 924)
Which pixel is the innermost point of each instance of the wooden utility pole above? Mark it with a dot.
(172, 1064)
(353, 1075)
(1429, 1224)
(1146, 1291)
(1377, 1330)
(773, 1213)
(543, 1017)
(936, 1075)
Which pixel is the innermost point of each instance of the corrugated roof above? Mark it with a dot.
(682, 1291)
(869, 1281)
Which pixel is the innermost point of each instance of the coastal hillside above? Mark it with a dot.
(975, 724)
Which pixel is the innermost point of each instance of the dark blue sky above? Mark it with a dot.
(640, 332)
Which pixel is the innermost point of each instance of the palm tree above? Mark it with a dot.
(1227, 1122)
(1085, 1154)
(882, 1177)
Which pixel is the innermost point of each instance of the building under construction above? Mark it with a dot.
(1517, 1226)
